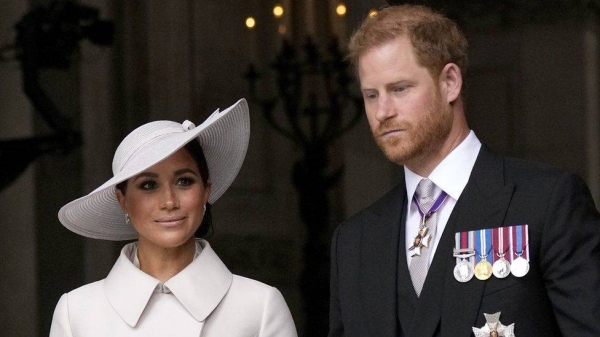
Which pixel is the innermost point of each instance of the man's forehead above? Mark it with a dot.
(388, 63)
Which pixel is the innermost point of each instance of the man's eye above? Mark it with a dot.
(370, 96)
(399, 89)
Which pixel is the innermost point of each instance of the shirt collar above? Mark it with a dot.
(136, 261)
(452, 173)
(199, 287)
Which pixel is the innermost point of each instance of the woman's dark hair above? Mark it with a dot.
(195, 150)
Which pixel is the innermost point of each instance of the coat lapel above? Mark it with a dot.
(483, 204)
(379, 258)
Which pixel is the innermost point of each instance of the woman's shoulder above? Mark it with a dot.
(265, 310)
(86, 294)
(252, 290)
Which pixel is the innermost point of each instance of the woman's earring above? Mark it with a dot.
(204, 212)
(127, 219)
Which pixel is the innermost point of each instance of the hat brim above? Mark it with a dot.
(224, 138)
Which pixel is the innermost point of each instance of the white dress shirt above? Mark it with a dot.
(204, 299)
(451, 176)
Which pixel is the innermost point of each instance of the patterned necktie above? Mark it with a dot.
(419, 264)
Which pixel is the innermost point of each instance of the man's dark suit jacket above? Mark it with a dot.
(371, 290)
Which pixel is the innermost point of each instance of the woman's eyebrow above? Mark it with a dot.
(185, 170)
(146, 175)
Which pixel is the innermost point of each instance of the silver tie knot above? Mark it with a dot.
(425, 194)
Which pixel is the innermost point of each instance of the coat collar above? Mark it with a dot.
(379, 260)
(199, 287)
(483, 203)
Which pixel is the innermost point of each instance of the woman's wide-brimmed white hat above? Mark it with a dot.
(224, 138)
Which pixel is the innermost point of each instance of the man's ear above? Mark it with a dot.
(450, 82)
(121, 200)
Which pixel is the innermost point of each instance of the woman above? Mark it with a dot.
(168, 283)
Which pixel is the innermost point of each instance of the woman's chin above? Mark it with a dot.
(168, 240)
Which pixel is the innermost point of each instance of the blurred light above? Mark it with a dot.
(372, 13)
(278, 11)
(282, 29)
(250, 22)
(341, 9)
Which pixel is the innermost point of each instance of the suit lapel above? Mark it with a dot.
(483, 204)
(379, 258)
(407, 298)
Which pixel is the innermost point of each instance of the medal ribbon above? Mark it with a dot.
(520, 236)
(464, 241)
(439, 201)
(483, 238)
(500, 239)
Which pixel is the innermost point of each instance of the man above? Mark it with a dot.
(404, 266)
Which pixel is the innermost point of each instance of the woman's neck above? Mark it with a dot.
(164, 263)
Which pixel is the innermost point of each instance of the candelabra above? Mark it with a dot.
(318, 104)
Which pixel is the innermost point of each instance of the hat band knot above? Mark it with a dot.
(187, 125)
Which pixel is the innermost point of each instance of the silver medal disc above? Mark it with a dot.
(501, 268)
(463, 271)
(519, 267)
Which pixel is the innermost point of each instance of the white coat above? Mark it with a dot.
(204, 299)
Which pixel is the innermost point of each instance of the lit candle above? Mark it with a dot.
(338, 22)
(251, 40)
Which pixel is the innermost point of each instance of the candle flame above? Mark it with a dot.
(341, 9)
(250, 22)
(278, 11)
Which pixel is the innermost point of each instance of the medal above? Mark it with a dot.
(519, 267)
(421, 240)
(463, 271)
(501, 268)
(464, 252)
(493, 327)
(483, 270)
(423, 236)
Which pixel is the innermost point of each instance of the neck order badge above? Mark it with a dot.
(423, 237)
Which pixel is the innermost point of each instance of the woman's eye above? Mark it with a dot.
(185, 181)
(148, 185)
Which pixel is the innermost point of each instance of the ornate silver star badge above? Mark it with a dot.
(421, 240)
(493, 327)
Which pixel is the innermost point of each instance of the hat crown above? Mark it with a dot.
(141, 138)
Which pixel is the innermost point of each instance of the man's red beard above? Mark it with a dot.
(416, 140)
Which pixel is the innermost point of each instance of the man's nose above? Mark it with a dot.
(385, 108)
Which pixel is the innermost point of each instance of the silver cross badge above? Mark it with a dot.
(493, 327)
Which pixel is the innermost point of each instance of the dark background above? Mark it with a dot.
(532, 92)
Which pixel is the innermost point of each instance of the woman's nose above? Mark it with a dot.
(170, 200)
